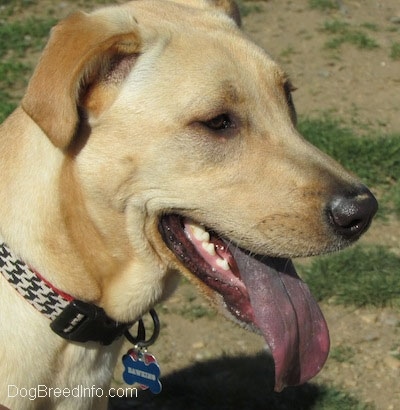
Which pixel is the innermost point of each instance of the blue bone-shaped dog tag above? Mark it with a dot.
(142, 368)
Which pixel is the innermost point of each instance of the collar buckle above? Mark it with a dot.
(84, 322)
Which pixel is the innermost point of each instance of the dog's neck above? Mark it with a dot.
(30, 219)
(71, 319)
(48, 219)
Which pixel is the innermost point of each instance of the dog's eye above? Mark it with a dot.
(220, 122)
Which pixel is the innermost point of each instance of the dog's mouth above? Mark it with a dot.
(259, 291)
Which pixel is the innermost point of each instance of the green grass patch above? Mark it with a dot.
(13, 72)
(323, 5)
(342, 353)
(196, 311)
(370, 26)
(395, 51)
(395, 352)
(391, 200)
(375, 159)
(359, 276)
(7, 7)
(246, 8)
(330, 398)
(344, 33)
(336, 27)
(7, 105)
(288, 51)
(395, 199)
(17, 38)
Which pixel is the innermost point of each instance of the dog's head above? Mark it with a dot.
(182, 155)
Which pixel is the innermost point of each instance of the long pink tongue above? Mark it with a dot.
(287, 315)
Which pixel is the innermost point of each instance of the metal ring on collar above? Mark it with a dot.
(140, 339)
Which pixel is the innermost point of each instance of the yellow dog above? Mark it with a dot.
(154, 138)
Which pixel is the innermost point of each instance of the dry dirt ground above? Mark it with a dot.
(216, 362)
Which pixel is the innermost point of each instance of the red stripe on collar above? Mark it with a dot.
(64, 295)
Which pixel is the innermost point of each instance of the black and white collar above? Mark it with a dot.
(71, 319)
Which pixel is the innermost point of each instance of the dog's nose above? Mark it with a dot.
(350, 215)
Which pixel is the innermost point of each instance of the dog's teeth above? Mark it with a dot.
(222, 263)
(200, 234)
(209, 247)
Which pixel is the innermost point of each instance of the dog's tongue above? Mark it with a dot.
(287, 315)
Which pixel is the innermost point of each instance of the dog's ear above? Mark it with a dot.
(81, 49)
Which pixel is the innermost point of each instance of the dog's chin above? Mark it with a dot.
(259, 291)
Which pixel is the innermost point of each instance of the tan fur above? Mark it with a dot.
(108, 137)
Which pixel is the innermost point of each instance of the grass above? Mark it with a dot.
(342, 353)
(360, 276)
(344, 33)
(17, 38)
(6, 105)
(395, 51)
(323, 5)
(394, 197)
(196, 311)
(332, 399)
(370, 26)
(247, 8)
(287, 53)
(375, 159)
(395, 352)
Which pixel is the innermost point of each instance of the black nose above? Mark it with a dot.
(350, 214)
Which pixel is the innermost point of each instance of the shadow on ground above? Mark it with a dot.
(225, 384)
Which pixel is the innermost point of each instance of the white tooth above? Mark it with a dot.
(222, 263)
(209, 247)
(206, 237)
(200, 234)
(197, 231)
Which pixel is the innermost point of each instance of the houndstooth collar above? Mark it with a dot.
(45, 298)
(71, 319)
